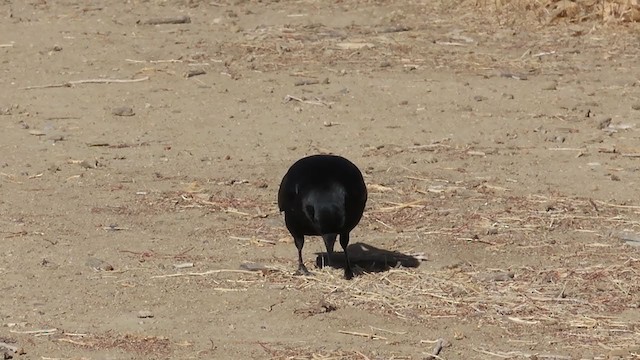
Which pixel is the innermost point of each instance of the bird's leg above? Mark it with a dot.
(344, 241)
(302, 270)
(329, 241)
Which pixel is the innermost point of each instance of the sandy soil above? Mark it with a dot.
(500, 151)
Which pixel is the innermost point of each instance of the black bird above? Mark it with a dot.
(322, 195)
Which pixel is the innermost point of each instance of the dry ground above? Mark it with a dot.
(499, 142)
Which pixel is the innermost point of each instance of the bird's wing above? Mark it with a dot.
(287, 196)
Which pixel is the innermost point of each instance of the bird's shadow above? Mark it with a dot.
(368, 258)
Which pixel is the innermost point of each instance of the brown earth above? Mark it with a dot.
(501, 144)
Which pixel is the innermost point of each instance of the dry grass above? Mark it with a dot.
(282, 352)
(140, 344)
(583, 298)
(580, 305)
(547, 11)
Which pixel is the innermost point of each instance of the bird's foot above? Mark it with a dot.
(302, 271)
(348, 273)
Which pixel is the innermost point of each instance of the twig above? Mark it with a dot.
(234, 211)
(75, 334)
(428, 147)
(566, 149)
(107, 81)
(473, 239)
(440, 344)
(87, 81)
(449, 43)
(229, 289)
(75, 342)
(388, 331)
(544, 53)
(36, 332)
(306, 82)
(290, 98)
(270, 242)
(618, 206)
(205, 273)
(558, 299)
(511, 354)
(417, 204)
(6, 45)
(370, 336)
(153, 61)
(164, 21)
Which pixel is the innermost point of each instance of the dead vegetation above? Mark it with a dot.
(580, 299)
(549, 11)
(135, 343)
(582, 296)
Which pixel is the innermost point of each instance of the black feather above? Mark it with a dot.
(322, 195)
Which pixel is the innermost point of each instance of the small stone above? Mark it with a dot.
(123, 111)
(508, 96)
(37, 133)
(551, 85)
(604, 122)
(98, 265)
(549, 206)
(55, 137)
(636, 106)
(497, 276)
(183, 265)
(480, 98)
(188, 74)
(430, 159)
(89, 164)
(145, 314)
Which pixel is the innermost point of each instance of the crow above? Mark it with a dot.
(322, 195)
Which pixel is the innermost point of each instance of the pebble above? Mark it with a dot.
(183, 265)
(55, 137)
(123, 111)
(550, 85)
(37, 133)
(603, 122)
(492, 231)
(497, 276)
(89, 164)
(99, 265)
(145, 314)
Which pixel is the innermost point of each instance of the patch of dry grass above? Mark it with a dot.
(140, 344)
(548, 11)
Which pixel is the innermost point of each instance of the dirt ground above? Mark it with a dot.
(500, 151)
